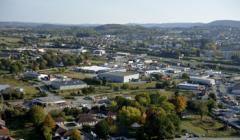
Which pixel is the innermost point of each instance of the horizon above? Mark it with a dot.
(23, 22)
(118, 12)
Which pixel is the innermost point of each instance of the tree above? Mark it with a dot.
(202, 109)
(211, 104)
(37, 114)
(185, 76)
(212, 96)
(49, 122)
(143, 99)
(180, 103)
(76, 135)
(47, 133)
(102, 129)
(160, 124)
(127, 116)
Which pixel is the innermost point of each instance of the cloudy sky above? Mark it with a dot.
(118, 11)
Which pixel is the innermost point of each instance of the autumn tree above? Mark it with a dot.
(49, 122)
(180, 103)
(76, 135)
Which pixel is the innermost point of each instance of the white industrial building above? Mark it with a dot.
(149, 72)
(68, 85)
(99, 52)
(188, 86)
(202, 80)
(99, 69)
(120, 77)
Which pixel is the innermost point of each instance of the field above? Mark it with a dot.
(29, 89)
(68, 73)
(10, 41)
(21, 128)
(208, 127)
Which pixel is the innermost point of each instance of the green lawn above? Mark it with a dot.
(22, 129)
(68, 73)
(10, 41)
(28, 88)
(208, 127)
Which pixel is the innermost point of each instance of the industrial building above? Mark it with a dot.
(48, 101)
(68, 85)
(99, 69)
(188, 86)
(202, 80)
(119, 77)
(99, 52)
(32, 75)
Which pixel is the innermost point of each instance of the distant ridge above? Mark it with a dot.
(230, 23)
(227, 23)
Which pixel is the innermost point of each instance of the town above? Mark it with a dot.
(119, 82)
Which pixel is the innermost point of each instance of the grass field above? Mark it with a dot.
(68, 73)
(208, 127)
(10, 41)
(21, 128)
(29, 89)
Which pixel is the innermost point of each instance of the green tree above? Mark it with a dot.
(37, 114)
(143, 99)
(185, 76)
(161, 125)
(47, 133)
(102, 129)
(202, 109)
(126, 116)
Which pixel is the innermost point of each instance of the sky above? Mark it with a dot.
(118, 11)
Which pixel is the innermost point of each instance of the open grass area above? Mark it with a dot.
(208, 127)
(68, 73)
(21, 129)
(28, 88)
(10, 41)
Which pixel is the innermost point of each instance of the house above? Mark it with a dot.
(112, 115)
(6, 138)
(236, 90)
(86, 119)
(59, 120)
(119, 77)
(2, 122)
(3, 87)
(63, 133)
(68, 85)
(4, 131)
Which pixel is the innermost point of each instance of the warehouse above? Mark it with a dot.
(48, 101)
(32, 75)
(98, 69)
(188, 86)
(119, 77)
(202, 80)
(68, 85)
